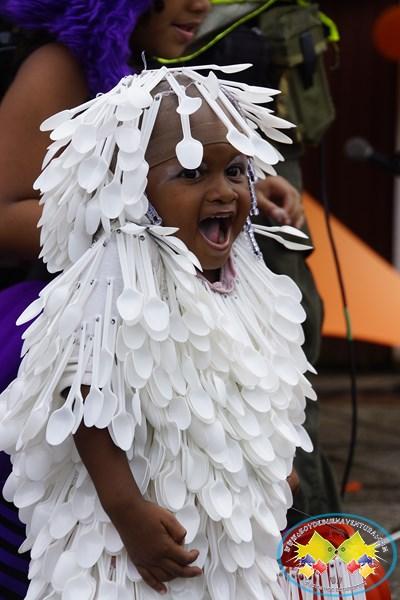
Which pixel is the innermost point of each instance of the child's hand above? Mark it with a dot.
(152, 536)
(153, 539)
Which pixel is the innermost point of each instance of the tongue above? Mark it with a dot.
(212, 230)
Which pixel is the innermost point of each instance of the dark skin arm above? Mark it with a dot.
(294, 481)
(48, 81)
(152, 536)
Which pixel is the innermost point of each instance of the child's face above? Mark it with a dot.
(169, 31)
(209, 204)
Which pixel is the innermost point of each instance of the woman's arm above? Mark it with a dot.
(48, 81)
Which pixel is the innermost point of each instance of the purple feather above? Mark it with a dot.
(96, 31)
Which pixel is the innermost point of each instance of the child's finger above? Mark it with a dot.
(177, 570)
(181, 556)
(175, 529)
(152, 581)
(161, 574)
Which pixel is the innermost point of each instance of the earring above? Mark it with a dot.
(153, 215)
(248, 229)
(251, 178)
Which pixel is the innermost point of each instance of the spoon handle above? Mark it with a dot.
(56, 375)
(147, 266)
(78, 373)
(235, 113)
(96, 349)
(131, 258)
(185, 121)
(149, 119)
(123, 260)
(107, 312)
(214, 106)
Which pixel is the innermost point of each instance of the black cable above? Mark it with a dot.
(349, 336)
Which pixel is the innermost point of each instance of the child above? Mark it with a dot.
(189, 346)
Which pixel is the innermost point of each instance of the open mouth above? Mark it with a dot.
(217, 230)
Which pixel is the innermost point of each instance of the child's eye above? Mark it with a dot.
(189, 174)
(236, 171)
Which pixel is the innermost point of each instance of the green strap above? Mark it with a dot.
(334, 35)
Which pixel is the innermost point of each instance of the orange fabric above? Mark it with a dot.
(386, 33)
(372, 284)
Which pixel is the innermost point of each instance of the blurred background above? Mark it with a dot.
(365, 83)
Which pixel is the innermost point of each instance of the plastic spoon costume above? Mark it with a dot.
(204, 391)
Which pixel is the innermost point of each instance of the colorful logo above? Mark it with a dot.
(337, 555)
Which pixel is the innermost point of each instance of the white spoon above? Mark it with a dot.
(128, 137)
(65, 115)
(91, 172)
(95, 398)
(220, 498)
(62, 520)
(122, 424)
(109, 408)
(66, 419)
(130, 302)
(187, 105)
(239, 140)
(155, 310)
(31, 311)
(84, 138)
(189, 151)
(106, 359)
(189, 518)
(224, 69)
(134, 335)
(263, 149)
(110, 197)
(82, 587)
(66, 568)
(90, 546)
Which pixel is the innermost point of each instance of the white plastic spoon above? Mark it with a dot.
(187, 105)
(106, 354)
(95, 398)
(130, 301)
(224, 69)
(239, 140)
(188, 151)
(155, 310)
(122, 424)
(89, 546)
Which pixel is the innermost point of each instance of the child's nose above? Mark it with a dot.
(221, 191)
